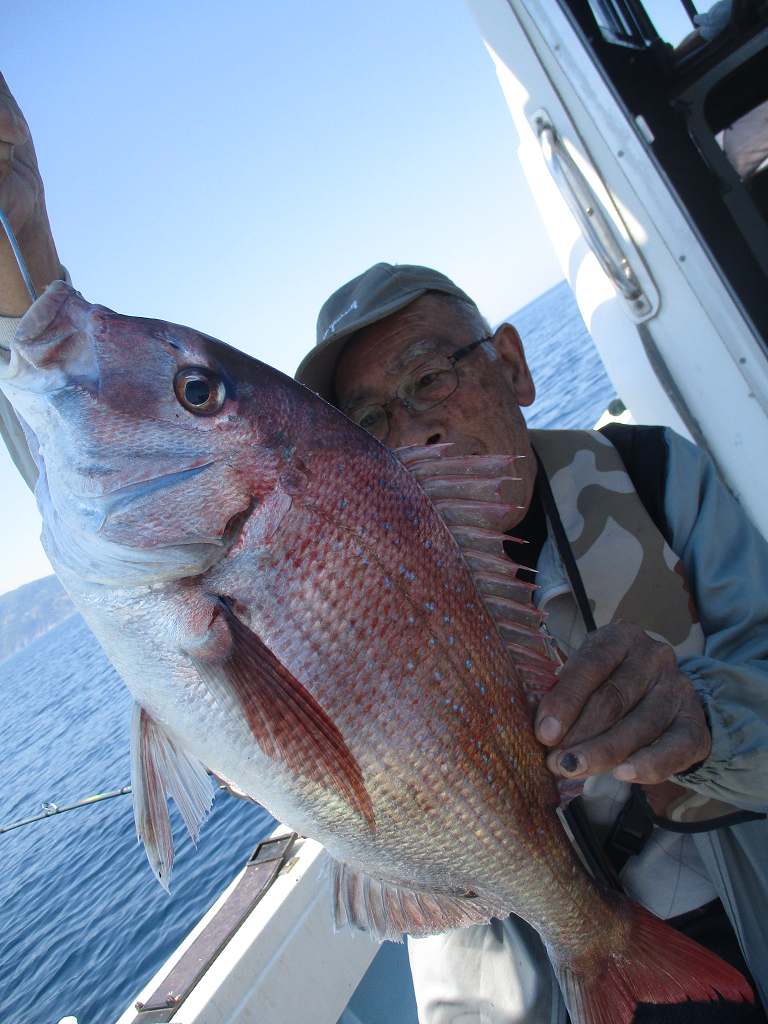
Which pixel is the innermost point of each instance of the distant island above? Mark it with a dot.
(29, 611)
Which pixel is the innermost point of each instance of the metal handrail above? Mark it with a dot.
(587, 210)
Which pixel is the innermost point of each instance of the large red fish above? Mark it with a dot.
(287, 608)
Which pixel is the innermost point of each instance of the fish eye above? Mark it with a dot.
(200, 390)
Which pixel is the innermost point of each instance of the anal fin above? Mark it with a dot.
(160, 768)
(388, 911)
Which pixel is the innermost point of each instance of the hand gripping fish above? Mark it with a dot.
(288, 608)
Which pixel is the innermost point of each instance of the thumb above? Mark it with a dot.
(13, 128)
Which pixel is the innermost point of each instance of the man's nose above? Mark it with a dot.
(408, 427)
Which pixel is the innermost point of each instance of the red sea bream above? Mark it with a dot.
(288, 609)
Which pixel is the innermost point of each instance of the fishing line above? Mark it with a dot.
(19, 257)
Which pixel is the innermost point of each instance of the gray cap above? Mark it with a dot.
(380, 291)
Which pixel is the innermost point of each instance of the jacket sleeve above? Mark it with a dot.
(10, 428)
(726, 561)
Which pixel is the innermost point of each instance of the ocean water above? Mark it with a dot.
(572, 388)
(83, 923)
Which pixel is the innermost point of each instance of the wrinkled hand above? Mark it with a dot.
(622, 703)
(22, 198)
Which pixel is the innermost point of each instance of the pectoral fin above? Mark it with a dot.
(287, 722)
(159, 768)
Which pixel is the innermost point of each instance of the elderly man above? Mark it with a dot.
(669, 692)
(662, 687)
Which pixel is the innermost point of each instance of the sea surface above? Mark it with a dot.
(83, 923)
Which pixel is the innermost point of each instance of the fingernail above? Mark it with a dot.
(549, 730)
(625, 772)
(570, 763)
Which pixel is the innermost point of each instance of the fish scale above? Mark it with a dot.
(288, 608)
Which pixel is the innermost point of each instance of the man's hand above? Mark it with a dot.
(622, 703)
(23, 201)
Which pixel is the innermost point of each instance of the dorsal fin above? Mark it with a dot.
(471, 497)
(160, 768)
(478, 539)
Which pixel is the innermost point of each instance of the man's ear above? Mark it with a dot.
(509, 351)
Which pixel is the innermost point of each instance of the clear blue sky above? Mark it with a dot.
(227, 165)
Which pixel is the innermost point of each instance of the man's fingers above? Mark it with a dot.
(685, 743)
(659, 737)
(598, 754)
(600, 654)
(650, 668)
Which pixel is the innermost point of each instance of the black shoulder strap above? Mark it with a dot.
(645, 455)
(558, 532)
(575, 818)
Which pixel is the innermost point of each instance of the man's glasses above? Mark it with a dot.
(424, 388)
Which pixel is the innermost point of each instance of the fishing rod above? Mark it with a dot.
(19, 257)
(49, 809)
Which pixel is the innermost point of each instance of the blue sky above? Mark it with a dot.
(228, 165)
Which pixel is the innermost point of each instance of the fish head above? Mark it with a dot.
(147, 438)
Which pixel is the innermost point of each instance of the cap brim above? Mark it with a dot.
(317, 368)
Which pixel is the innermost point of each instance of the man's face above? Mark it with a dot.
(481, 417)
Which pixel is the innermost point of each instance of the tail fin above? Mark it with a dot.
(658, 965)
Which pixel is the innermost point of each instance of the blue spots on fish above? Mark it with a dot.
(385, 526)
(427, 543)
(468, 663)
(451, 640)
(447, 618)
